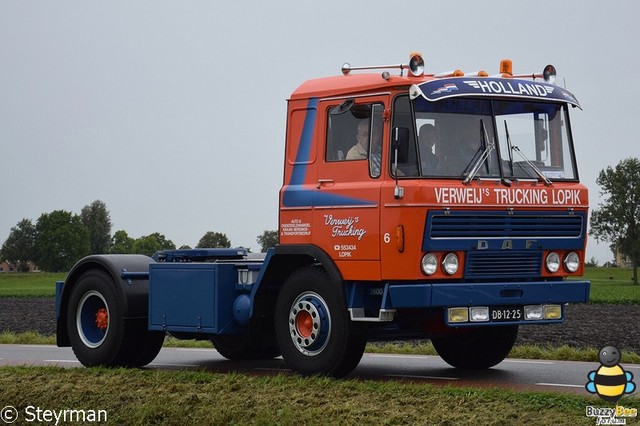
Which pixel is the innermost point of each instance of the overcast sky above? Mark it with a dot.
(173, 112)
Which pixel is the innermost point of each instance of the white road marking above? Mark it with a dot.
(409, 376)
(62, 360)
(526, 361)
(562, 385)
(153, 364)
(194, 349)
(397, 356)
(37, 346)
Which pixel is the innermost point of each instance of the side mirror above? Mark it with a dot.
(400, 144)
(343, 107)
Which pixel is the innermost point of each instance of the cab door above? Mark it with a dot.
(346, 201)
(404, 202)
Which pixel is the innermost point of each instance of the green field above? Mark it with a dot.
(608, 285)
(198, 397)
(612, 285)
(35, 284)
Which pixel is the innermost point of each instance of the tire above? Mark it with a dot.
(313, 327)
(477, 348)
(97, 329)
(140, 346)
(238, 347)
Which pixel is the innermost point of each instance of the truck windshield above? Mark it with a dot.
(485, 138)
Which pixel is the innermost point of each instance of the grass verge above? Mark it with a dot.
(27, 338)
(193, 397)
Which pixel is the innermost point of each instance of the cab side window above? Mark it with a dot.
(354, 132)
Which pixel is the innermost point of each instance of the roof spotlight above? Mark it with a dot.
(549, 74)
(416, 64)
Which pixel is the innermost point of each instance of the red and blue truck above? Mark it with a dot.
(414, 205)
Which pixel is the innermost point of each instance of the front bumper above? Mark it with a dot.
(400, 296)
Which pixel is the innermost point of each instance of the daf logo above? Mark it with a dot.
(484, 245)
(506, 244)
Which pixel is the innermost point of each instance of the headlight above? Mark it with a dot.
(429, 263)
(553, 262)
(457, 315)
(552, 312)
(479, 314)
(533, 313)
(572, 262)
(450, 263)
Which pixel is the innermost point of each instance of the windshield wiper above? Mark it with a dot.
(509, 146)
(526, 160)
(488, 147)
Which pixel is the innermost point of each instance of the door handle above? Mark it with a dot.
(324, 182)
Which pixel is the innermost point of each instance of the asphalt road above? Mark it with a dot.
(519, 374)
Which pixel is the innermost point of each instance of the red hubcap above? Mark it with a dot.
(304, 324)
(102, 319)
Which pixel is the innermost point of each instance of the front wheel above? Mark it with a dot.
(313, 328)
(476, 348)
(98, 332)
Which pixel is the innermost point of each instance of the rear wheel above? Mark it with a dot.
(477, 348)
(313, 327)
(97, 330)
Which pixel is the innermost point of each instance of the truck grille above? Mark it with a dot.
(504, 243)
(506, 226)
(525, 264)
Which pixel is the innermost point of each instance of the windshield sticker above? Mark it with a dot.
(500, 87)
(445, 89)
(438, 89)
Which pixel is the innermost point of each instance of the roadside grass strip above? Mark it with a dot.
(137, 397)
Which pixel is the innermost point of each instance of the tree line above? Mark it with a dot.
(60, 238)
(617, 220)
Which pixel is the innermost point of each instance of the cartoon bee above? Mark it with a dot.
(610, 381)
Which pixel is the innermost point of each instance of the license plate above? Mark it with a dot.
(506, 314)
